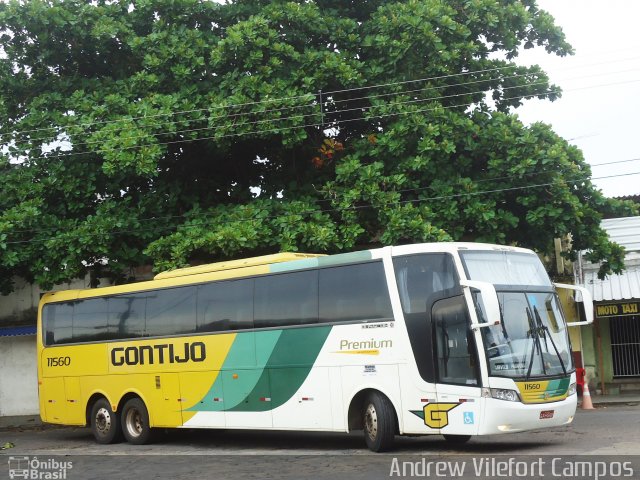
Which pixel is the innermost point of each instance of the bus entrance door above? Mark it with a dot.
(458, 390)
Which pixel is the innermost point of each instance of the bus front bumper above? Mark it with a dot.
(510, 417)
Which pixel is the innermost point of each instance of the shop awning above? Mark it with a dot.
(615, 287)
(626, 286)
(17, 331)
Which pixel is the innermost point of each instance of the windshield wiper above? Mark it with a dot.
(542, 327)
(535, 336)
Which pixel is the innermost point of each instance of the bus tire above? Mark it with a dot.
(105, 424)
(378, 422)
(135, 422)
(457, 439)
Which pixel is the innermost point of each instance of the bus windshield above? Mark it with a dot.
(532, 340)
(505, 268)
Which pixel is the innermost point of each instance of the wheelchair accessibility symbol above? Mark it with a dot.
(468, 418)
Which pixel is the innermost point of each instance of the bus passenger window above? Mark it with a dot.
(127, 315)
(286, 299)
(422, 280)
(90, 320)
(171, 311)
(424, 277)
(354, 293)
(225, 306)
(58, 323)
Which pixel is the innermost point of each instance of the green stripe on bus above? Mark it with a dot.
(294, 265)
(283, 361)
(241, 370)
(558, 387)
(288, 367)
(345, 258)
(328, 261)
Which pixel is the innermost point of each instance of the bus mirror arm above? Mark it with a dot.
(587, 303)
(489, 300)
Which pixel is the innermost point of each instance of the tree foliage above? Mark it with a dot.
(179, 131)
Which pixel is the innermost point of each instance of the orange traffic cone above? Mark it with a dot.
(586, 397)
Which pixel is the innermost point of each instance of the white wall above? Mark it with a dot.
(25, 298)
(20, 305)
(18, 376)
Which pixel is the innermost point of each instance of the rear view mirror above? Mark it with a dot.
(587, 303)
(490, 304)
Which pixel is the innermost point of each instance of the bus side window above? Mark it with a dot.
(422, 280)
(354, 293)
(225, 305)
(90, 320)
(127, 315)
(58, 320)
(286, 299)
(171, 311)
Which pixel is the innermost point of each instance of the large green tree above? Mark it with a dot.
(174, 131)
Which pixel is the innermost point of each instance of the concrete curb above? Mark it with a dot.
(628, 403)
(606, 400)
(20, 421)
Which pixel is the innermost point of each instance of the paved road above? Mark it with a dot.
(177, 454)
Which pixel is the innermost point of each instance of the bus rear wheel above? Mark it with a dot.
(105, 424)
(378, 422)
(135, 422)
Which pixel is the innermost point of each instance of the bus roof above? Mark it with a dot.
(203, 273)
(233, 264)
(275, 263)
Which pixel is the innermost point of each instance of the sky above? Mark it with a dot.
(599, 110)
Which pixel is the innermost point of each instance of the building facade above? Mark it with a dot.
(611, 346)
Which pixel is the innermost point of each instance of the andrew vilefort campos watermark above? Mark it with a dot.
(36, 469)
(490, 467)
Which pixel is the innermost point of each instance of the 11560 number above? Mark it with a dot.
(58, 361)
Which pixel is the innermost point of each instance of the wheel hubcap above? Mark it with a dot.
(371, 422)
(134, 422)
(103, 421)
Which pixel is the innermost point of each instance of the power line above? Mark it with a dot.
(614, 162)
(309, 105)
(310, 95)
(407, 190)
(352, 208)
(332, 124)
(301, 116)
(397, 191)
(281, 99)
(329, 112)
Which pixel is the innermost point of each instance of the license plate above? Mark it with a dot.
(546, 414)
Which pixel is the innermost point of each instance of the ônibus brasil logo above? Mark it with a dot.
(32, 468)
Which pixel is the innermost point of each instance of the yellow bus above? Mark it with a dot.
(458, 339)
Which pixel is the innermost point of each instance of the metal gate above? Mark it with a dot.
(625, 346)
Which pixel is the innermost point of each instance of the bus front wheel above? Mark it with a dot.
(379, 422)
(105, 423)
(135, 422)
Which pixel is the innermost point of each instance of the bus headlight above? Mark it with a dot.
(572, 390)
(504, 394)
